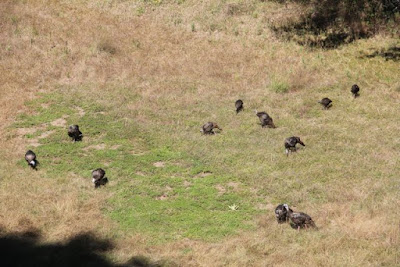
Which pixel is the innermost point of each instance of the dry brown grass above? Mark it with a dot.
(49, 44)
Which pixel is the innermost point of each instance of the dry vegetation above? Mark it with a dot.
(170, 66)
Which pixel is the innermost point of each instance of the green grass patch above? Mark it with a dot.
(169, 200)
(279, 86)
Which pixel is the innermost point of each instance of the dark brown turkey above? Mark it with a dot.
(98, 177)
(355, 90)
(281, 214)
(326, 103)
(75, 133)
(209, 127)
(299, 219)
(239, 106)
(290, 144)
(265, 119)
(30, 157)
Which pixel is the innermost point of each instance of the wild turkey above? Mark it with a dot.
(98, 177)
(265, 119)
(299, 219)
(30, 157)
(239, 106)
(74, 133)
(290, 144)
(355, 90)
(281, 214)
(326, 103)
(209, 127)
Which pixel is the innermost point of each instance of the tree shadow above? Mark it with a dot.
(330, 24)
(392, 53)
(25, 249)
(316, 33)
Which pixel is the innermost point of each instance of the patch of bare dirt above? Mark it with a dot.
(79, 181)
(265, 206)
(168, 188)
(234, 185)
(270, 206)
(137, 153)
(46, 134)
(261, 206)
(181, 164)
(165, 196)
(115, 147)
(187, 184)
(254, 190)
(159, 164)
(162, 197)
(203, 174)
(61, 122)
(25, 131)
(221, 189)
(34, 143)
(95, 147)
(45, 106)
(81, 111)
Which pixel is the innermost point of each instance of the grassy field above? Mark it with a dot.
(140, 78)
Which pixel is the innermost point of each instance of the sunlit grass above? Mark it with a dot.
(171, 200)
(140, 82)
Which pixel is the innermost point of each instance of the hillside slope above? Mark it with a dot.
(140, 78)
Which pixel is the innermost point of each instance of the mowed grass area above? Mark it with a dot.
(141, 85)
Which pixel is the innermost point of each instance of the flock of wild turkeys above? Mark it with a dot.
(283, 213)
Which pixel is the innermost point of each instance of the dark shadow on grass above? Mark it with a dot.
(25, 249)
(392, 53)
(312, 33)
(330, 24)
